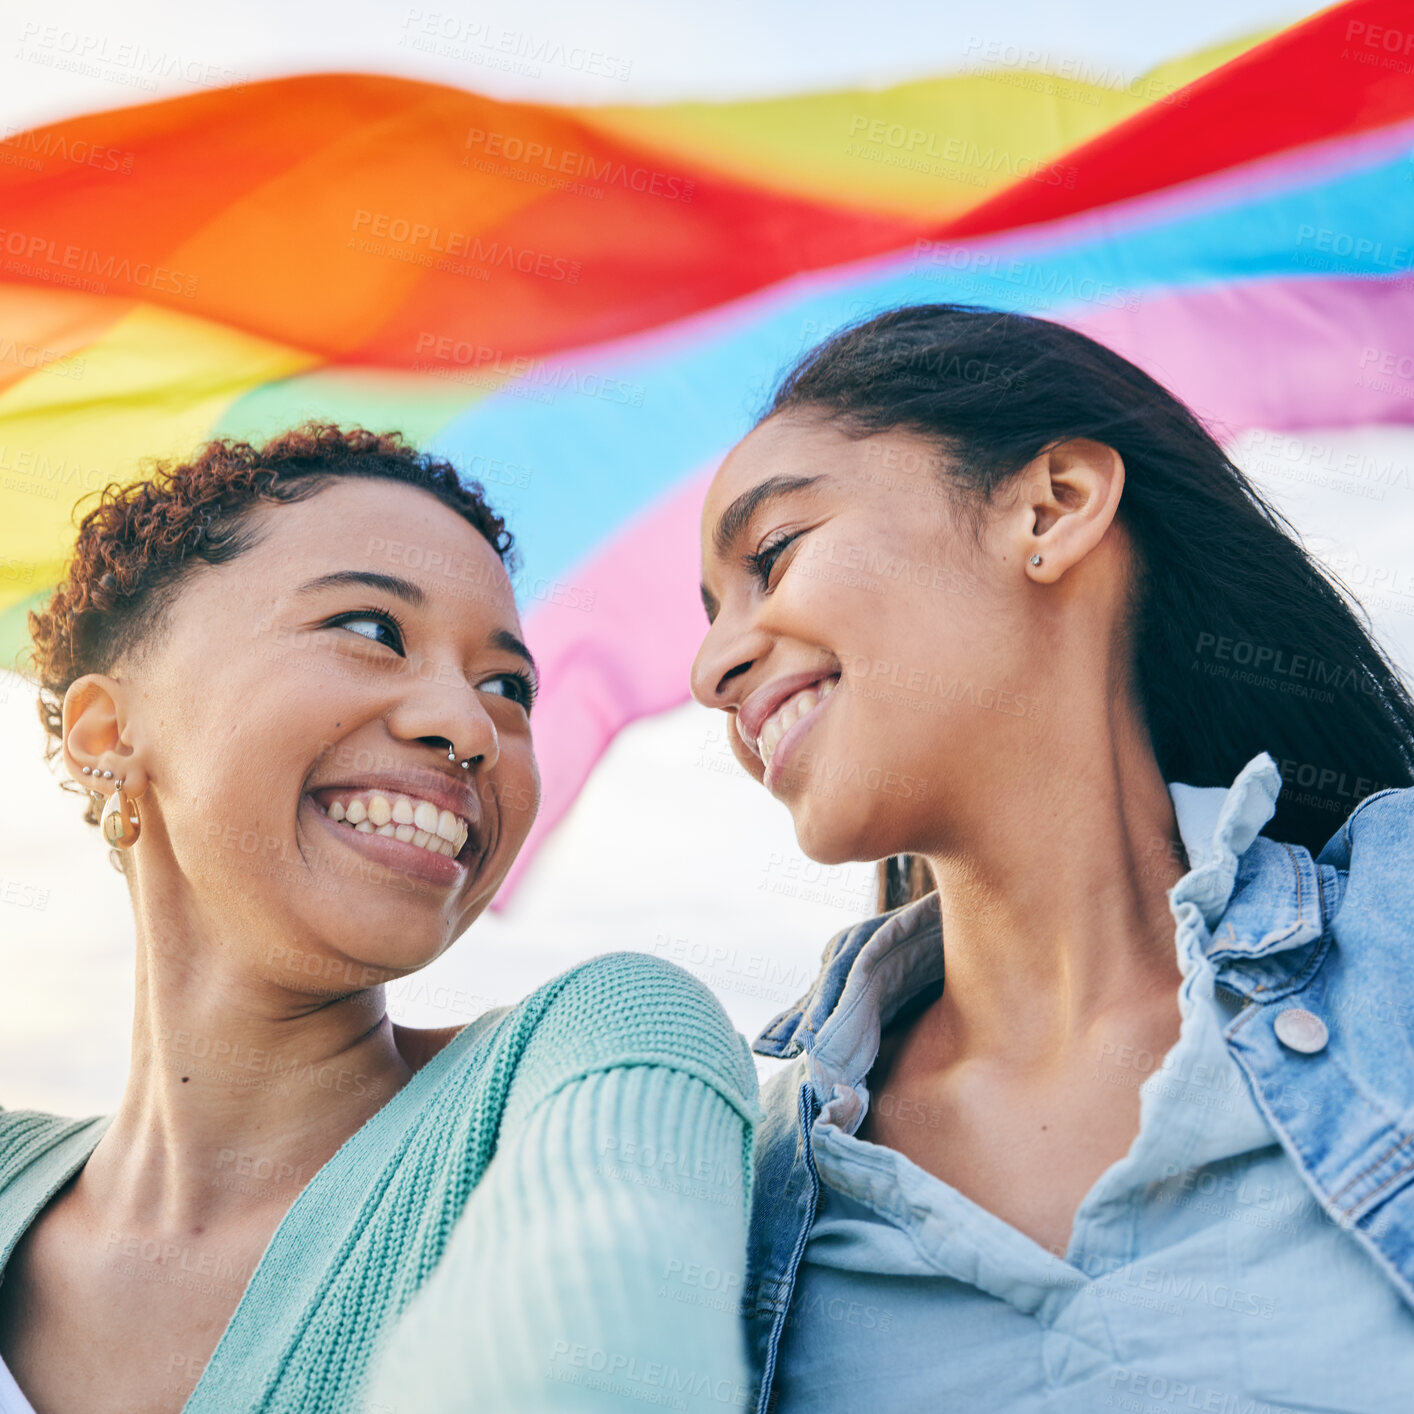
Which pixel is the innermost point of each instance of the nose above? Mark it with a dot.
(449, 714)
(725, 655)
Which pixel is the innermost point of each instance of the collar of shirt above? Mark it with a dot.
(856, 997)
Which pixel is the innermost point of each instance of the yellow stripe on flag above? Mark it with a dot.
(930, 149)
(153, 385)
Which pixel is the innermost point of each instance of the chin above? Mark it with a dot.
(828, 837)
(849, 828)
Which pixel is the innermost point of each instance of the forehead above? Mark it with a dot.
(783, 445)
(360, 523)
(804, 445)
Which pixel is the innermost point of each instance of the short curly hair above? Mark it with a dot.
(137, 547)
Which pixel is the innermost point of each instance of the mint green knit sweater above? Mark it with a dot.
(551, 1215)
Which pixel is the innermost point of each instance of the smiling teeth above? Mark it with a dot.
(413, 821)
(789, 713)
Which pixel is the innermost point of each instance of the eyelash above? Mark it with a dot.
(386, 616)
(525, 684)
(761, 562)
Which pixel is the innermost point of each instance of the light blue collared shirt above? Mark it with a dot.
(1200, 1270)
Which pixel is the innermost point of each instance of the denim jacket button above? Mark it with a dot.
(1301, 1030)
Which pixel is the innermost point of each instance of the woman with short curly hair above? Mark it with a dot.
(292, 681)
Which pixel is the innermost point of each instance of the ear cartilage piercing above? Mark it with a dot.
(1035, 559)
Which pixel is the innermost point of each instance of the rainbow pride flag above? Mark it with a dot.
(584, 306)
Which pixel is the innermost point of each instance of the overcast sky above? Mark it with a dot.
(82, 55)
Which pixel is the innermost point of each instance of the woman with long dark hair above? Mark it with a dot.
(290, 680)
(1112, 1105)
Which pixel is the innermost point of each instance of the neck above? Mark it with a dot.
(1054, 910)
(238, 1091)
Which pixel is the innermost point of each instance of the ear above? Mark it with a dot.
(1068, 498)
(94, 724)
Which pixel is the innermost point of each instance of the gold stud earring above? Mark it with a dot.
(120, 821)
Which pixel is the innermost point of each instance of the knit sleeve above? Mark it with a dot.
(597, 1265)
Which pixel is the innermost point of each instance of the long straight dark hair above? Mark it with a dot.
(1241, 642)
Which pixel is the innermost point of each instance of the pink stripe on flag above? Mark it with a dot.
(1280, 354)
(624, 656)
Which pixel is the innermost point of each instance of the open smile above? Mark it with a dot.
(791, 716)
(404, 834)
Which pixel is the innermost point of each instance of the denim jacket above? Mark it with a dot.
(1331, 937)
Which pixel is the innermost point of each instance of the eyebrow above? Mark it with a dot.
(399, 588)
(737, 515)
(413, 594)
(503, 638)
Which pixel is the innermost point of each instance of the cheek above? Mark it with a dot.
(517, 789)
(864, 602)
